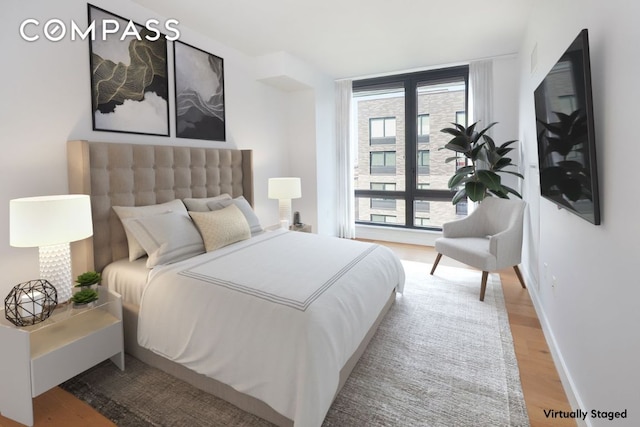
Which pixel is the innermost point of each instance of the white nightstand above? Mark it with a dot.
(39, 357)
(305, 228)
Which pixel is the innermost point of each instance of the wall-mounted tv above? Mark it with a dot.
(566, 136)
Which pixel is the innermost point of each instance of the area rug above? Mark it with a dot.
(440, 358)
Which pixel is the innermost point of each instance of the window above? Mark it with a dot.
(384, 186)
(461, 208)
(383, 162)
(382, 130)
(422, 222)
(385, 219)
(383, 203)
(407, 185)
(423, 162)
(461, 118)
(423, 128)
(422, 206)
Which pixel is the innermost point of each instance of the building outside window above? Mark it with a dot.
(424, 128)
(384, 219)
(382, 130)
(407, 186)
(383, 162)
(423, 162)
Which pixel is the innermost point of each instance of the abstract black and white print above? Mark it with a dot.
(199, 90)
(129, 86)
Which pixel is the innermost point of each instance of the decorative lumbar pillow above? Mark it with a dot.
(135, 249)
(166, 237)
(222, 227)
(200, 205)
(245, 208)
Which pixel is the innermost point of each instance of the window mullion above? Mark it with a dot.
(411, 114)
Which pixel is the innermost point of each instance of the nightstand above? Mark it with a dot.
(305, 228)
(39, 357)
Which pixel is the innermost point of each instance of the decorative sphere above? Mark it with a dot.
(30, 302)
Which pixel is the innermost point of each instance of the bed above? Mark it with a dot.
(273, 323)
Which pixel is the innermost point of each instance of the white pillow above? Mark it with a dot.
(123, 212)
(200, 205)
(245, 208)
(222, 227)
(167, 237)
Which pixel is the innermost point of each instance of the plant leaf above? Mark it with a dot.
(513, 173)
(506, 144)
(451, 131)
(457, 179)
(475, 190)
(490, 179)
(512, 191)
(459, 144)
(459, 196)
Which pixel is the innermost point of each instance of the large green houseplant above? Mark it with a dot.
(480, 177)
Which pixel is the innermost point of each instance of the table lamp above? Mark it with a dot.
(285, 189)
(51, 223)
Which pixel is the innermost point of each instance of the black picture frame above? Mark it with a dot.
(129, 78)
(199, 93)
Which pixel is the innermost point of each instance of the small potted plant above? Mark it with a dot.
(86, 294)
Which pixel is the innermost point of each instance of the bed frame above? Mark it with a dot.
(120, 174)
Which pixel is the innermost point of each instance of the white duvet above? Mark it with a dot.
(275, 317)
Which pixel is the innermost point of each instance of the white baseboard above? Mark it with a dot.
(565, 377)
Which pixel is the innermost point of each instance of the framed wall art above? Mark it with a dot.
(199, 93)
(129, 86)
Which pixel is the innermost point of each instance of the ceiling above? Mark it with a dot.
(355, 38)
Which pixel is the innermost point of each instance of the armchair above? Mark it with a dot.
(489, 239)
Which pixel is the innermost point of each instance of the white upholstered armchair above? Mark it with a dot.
(489, 239)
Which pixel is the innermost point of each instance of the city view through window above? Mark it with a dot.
(400, 174)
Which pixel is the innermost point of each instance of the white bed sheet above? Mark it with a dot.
(128, 278)
(231, 315)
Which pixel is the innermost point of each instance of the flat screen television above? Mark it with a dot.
(566, 135)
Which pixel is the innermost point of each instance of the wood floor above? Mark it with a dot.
(540, 382)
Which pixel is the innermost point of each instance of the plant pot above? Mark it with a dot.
(89, 304)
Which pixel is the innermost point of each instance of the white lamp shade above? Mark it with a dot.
(285, 188)
(49, 220)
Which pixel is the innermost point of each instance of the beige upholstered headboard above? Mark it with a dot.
(115, 174)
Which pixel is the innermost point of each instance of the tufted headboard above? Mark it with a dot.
(116, 174)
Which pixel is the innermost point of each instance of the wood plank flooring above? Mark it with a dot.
(540, 382)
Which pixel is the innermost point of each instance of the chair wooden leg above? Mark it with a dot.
(435, 264)
(483, 287)
(519, 274)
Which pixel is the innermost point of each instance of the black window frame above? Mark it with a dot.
(410, 82)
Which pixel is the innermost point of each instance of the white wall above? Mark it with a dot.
(591, 316)
(46, 101)
(311, 136)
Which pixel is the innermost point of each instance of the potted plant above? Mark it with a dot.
(480, 177)
(86, 294)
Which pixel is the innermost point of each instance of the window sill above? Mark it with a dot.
(399, 235)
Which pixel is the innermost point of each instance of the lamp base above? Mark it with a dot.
(284, 207)
(55, 267)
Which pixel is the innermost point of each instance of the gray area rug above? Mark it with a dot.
(440, 358)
